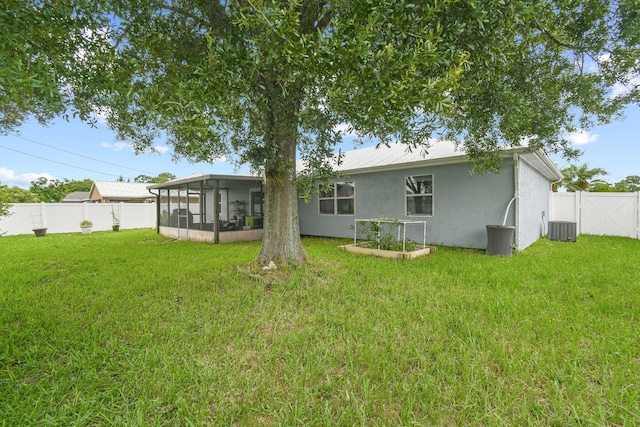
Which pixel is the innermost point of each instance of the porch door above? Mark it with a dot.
(256, 203)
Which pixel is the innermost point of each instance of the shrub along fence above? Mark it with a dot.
(66, 217)
(607, 214)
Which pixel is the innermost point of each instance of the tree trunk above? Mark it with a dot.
(281, 241)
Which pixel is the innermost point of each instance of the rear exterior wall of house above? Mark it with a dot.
(462, 204)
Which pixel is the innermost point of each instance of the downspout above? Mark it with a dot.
(157, 209)
(202, 205)
(216, 213)
(506, 212)
(516, 198)
(187, 214)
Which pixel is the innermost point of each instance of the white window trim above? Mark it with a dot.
(335, 199)
(432, 194)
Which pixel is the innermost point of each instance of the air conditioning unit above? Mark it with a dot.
(564, 231)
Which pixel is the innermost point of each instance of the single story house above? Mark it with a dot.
(435, 188)
(117, 191)
(76, 197)
(438, 188)
(187, 207)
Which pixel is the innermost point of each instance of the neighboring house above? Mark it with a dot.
(116, 191)
(437, 188)
(76, 197)
(187, 208)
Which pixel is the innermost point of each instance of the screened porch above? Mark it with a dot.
(212, 208)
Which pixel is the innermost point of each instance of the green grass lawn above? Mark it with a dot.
(130, 329)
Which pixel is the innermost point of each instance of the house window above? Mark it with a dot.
(419, 195)
(339, 199)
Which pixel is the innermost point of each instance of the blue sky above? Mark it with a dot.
(76, 151)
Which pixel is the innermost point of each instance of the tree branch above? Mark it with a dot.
(184, 12)
(217, 18)
(554, 39)
(577, 49)
(311, 18)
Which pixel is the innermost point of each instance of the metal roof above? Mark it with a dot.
(198, 177)
(121, 190)
(400, 156)
(438, 152)
(76, 196)
(392, 157)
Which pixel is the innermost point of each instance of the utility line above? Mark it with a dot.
(60, 163)
(80, 155)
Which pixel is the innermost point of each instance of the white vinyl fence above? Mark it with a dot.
(66, 217)
(608, 214)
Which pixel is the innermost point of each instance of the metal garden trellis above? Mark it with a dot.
(402, 224)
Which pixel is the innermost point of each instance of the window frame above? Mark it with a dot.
(431, 194)
(335, 199)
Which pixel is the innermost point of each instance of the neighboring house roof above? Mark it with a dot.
(440, 152)
(76, 197)
(120, 190)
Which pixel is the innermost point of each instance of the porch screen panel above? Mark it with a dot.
(174, 206)
(164, 208)
(195, 218)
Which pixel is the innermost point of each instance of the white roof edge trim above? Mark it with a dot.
(551, 171)
(549, 163)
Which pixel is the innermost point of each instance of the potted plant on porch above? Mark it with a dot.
(86, 226)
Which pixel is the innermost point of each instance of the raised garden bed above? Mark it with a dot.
(386, 237)
(386, 253)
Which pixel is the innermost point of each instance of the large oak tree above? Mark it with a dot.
(269, 81)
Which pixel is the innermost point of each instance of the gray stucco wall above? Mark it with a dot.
(463, 204)
(533, 201)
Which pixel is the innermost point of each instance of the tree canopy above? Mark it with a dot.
(631, 182)
(54, 190)
(11, 195)
(159, 179)
(268, 82)
(584, 178)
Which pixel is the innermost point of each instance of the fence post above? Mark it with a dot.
(578, 212)
(637, 214)
(43, 214)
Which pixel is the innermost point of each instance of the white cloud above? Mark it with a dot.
(222, 159)
(9, 176)
(625, 88)
(160, 149)
(101, 114)
(118, 146)
(345, 129)
(581, 137)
